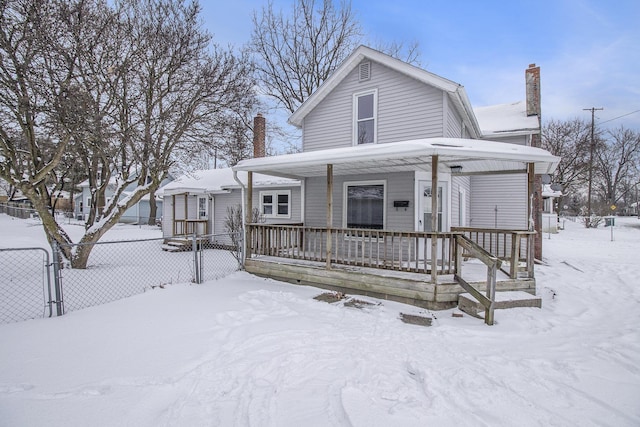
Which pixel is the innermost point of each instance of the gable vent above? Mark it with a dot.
(364, 73)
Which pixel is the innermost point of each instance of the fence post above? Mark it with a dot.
(196, 264)
(56, 279)
(240, 247)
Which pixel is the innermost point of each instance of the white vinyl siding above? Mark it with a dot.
(499, 201)
(460, 185)
(399, 186)
(407, 109)
(454, 123)
(518, 140)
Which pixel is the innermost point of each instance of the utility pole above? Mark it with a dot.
(591, 148)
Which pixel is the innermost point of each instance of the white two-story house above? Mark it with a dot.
(394, 168)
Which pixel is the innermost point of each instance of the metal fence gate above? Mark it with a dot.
(26, 285)
(35, 282)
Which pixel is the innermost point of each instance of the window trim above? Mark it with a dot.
(345, 187)
(206, 207)
(274, 194)
(356, 96)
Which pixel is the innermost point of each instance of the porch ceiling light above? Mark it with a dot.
(456, 169)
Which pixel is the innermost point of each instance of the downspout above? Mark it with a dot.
(244, 216)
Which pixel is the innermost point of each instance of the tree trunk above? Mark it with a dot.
(153, 208)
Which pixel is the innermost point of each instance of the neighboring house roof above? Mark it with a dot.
(221, 181)
(473, 155)
(506, 120)
(455, 90)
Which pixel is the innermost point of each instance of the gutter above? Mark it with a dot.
(244, 215)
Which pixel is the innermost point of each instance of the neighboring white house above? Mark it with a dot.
(137, 214)
(199, 201)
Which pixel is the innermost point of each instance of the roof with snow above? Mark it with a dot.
(455, 90)
(221, 181)
(472, 155)
(506, 120)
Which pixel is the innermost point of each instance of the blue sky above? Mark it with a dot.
(588, 50)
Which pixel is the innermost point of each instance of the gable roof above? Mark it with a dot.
(220, 181)
(455, 90)
(506, 120)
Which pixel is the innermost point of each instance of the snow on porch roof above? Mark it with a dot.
(219, 180)
(474, 156)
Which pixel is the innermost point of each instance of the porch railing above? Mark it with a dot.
(189, 227)
(513, 246)
(391, 250)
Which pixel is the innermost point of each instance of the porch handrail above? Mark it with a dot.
(188, 227)
(381, 249)
(492, 263)
(514, 246)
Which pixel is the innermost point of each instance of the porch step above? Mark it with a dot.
(176, 245)
(505, 299)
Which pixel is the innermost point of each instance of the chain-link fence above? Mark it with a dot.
(25, 284)
(18, 210)
(114, 270)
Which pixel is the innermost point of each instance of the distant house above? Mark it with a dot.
(399, 173)
(198, 202)
(137, 214)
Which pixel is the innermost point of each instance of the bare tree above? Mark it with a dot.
(407, 52)
(123, 86)
(617, 162)
(37, 64)
(298, 52)
(570, 141)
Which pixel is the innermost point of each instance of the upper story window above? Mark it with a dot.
(275, 204)
(365, 112)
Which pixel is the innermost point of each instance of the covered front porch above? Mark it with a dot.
(424, 268)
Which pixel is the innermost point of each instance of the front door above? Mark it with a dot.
(425, 212)
(425, 215)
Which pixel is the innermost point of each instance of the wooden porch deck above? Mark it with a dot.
(406, 287)
(424, 269)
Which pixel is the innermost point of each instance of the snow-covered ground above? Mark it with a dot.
(245, 351)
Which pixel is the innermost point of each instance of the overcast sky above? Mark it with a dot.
(588, 50)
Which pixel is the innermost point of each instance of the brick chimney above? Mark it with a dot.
(532, 78)
(532, 81)
(259, 124)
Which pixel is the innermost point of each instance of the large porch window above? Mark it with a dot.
(364, 204)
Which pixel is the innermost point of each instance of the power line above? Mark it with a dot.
(593, 116)
(615, 118)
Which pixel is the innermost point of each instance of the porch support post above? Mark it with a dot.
(173, 201)
(186, 210)
(329, 213)
(531, 181)
(434, 218)
(248, 215)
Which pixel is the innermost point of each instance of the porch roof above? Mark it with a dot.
(474, 156)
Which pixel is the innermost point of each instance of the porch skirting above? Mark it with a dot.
(405, 287)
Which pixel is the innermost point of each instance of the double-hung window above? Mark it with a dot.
(365, 114)
(275, 204)
(203, 207)
(364, 204)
